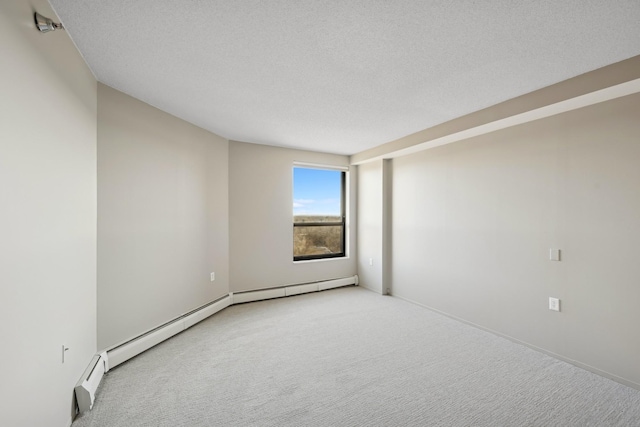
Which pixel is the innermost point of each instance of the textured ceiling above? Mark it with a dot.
(341, 76)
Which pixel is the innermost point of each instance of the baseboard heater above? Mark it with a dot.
(85, 389)
(285, 291)
(131, 348)
(102, 362)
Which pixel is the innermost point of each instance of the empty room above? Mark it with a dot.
(317, 213)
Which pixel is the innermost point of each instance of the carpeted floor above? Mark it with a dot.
(350, 357)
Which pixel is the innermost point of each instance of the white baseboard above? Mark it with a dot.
(112, 357)
(337, 283)
(131, 348)
(285, 291)
(239, 298)
(301, 289)
(137, 345)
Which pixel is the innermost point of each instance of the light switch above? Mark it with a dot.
(554, 304)
(554, 254)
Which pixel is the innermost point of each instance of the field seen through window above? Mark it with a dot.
(317, 240)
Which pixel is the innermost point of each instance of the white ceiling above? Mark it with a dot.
(341, 76)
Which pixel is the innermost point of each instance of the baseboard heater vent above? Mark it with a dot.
(132, 348)
(102, 362)
(285, 291)
(86, 388)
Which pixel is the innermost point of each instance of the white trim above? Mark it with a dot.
(109, 358)
(337, 258)
(291, 290)
(320, 166)
(145, 341)
(239, 298)
(337, 283)
(301, 289)
(136, 345)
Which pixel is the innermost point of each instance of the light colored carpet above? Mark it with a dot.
(350, 357)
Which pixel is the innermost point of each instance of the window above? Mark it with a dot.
(318, 213)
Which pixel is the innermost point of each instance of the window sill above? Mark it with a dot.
(304, 261)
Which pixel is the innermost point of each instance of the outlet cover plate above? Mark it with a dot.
(554, 304)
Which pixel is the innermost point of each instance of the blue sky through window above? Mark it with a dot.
(316, 191)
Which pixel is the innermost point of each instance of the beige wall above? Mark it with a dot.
(47, 219)
(374, 237)
(261, 218)
(473, 223)
(370, 225)
(162, 217)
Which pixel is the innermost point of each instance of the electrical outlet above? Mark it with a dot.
(213, 276)
(554, 304)
(370, 261)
